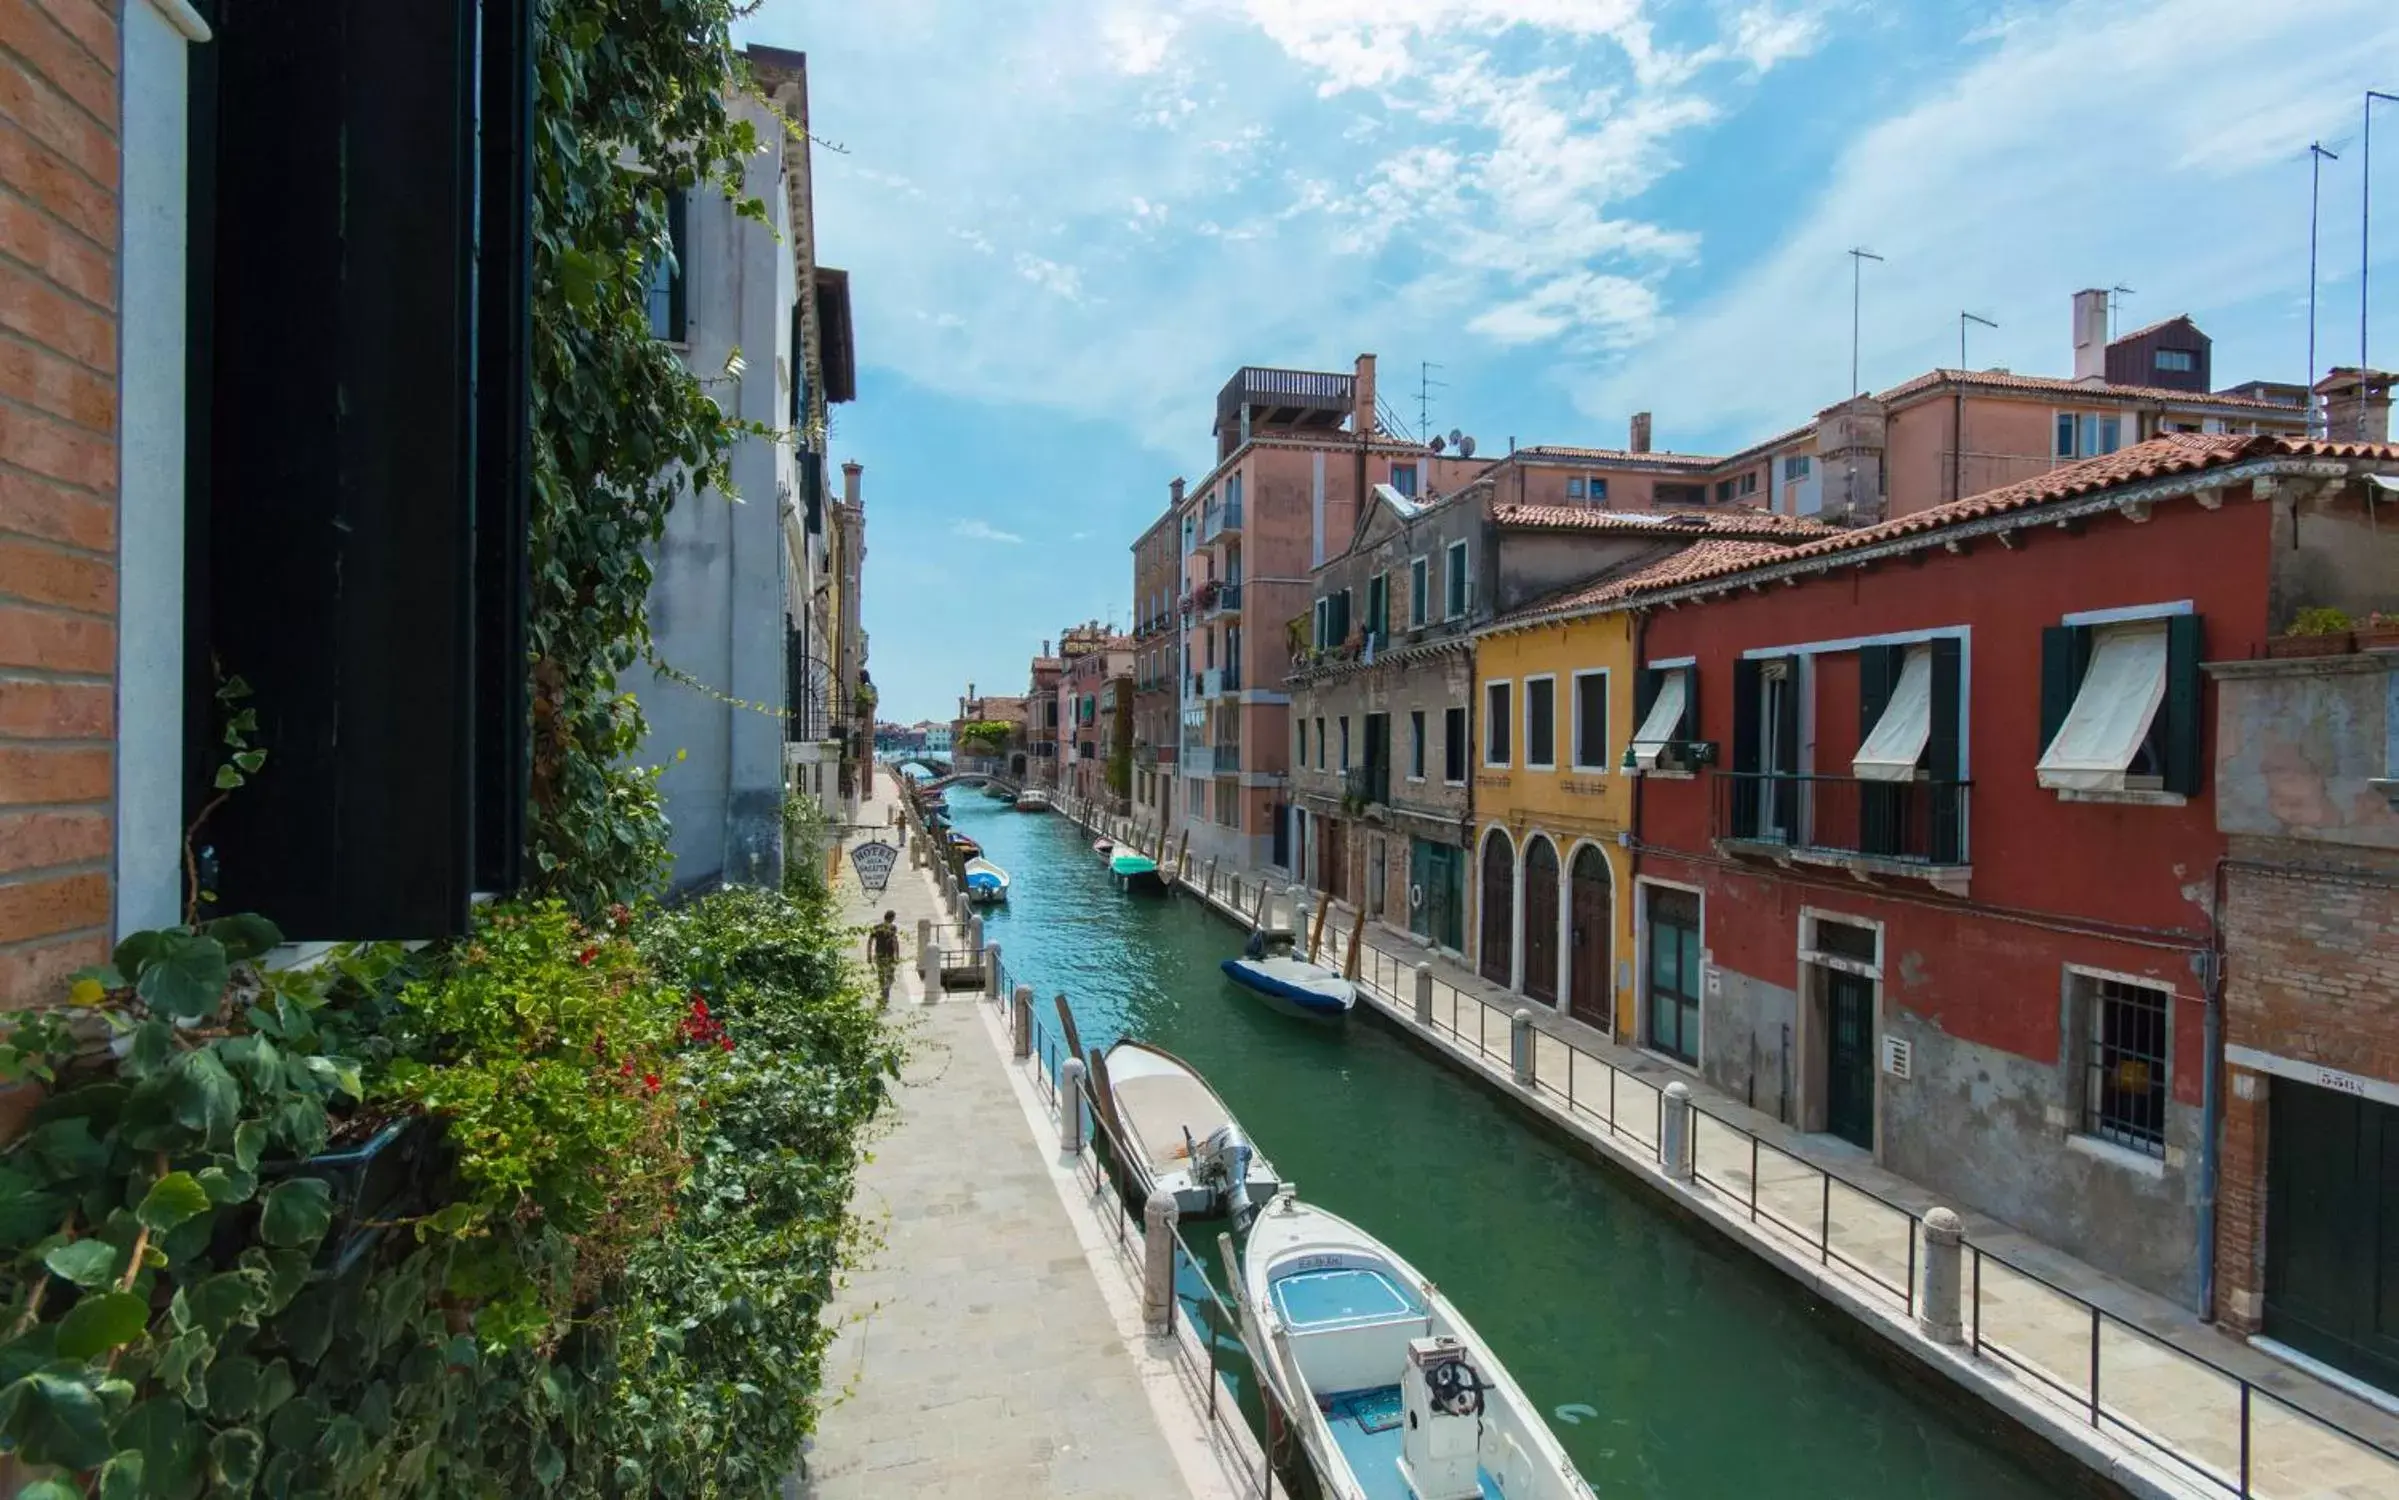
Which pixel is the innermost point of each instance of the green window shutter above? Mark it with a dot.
(1786, 745)
(1645, 693)
(2184, 733)
(2065, 652)
(1748, 734)
(1878, 674)
(1881, 805)
(1943, 753)
(1690, 724)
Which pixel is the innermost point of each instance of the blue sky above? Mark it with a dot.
(1067, 221)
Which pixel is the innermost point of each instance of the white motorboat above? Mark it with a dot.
(986, 882)
(1032, 799)
(1178, 1135)
(1269, 966)
(1390, 1392)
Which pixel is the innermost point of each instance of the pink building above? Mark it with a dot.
(1096, 660)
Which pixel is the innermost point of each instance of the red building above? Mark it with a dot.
(1927, 835)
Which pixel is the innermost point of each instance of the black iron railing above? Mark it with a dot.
(1914, 822)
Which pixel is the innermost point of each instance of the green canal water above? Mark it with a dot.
(1670, 1365)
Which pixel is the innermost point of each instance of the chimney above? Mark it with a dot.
(1361, 418)
(1850, 439)
(1045, 646)
(1174, 492)
(2357, 404)
(849, 482)
(2090, 334)
(1640, 438)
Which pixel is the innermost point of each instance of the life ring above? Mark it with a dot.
(1415, 898)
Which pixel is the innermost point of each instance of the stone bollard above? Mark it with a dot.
(1937, 1309)
(991, 970)
(1520, 1046)
(916, 852)
(1424, 994)
(1208, 888)
(1020, 1024)
(974, 934)
(926, 959)
(1235, 887)
(1674, 1131)
(1070, 1106)
(1158, 1217)
(1299, 923)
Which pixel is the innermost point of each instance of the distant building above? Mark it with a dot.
(1158, 667)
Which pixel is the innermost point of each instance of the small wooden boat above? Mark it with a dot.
(967, 848)
(1103, 847)
(986, 883)
(1391, 1393)
(1135, 872)
(1291, 983)
(1032, 799)
(1179, 1136)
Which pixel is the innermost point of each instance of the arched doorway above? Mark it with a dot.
(1590, 948)
(1541, 920)
(1498, 949)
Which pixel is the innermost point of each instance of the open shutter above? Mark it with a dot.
(2065, 652)
(1645, 692)
(1881, 805)
(1748, 741)
(1942, 753)
(1786, 731)
(1690, 727)
(2183, 772)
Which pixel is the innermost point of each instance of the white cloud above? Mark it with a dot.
(983, 531)
(1050, 276)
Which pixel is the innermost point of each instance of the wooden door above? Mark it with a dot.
(2332, 1228)
(1498, 925)
(1849, 1057)
(1590, 950)
(1541, 921)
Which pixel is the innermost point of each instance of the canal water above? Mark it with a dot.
(1670, 1365)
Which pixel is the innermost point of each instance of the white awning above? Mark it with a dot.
(1665, 717)
(2121, 692)
(1897, 743)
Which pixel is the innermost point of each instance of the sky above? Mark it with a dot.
(1067, 222)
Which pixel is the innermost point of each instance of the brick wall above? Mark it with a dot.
(2311, 974)
(58, 478)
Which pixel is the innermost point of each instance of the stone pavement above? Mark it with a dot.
(977, 1357)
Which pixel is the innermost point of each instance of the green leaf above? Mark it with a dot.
(247, 935)
(161, 1432)
(50, 1489)
(232, 1388)
(67, 1150)
(204, 1095)
(225, 1187)
(55, 1420)
(185, 977)
(227, 778)
(249, 1143)
(579, 278)
(339, 1073)
(101, 1322)
(171, 1200)
(121, 1476)
(549, 1465)
(233, 1457)
(296, 1213)
(86, 1263)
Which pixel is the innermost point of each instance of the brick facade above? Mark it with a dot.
(59, 213)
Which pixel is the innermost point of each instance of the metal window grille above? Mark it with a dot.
(2125, 1096)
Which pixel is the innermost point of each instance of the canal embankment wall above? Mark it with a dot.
(2115, 1390)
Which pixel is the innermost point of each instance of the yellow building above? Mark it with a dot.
(1552, 806)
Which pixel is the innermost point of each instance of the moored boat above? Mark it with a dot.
(1392, 1395)
(1291, 983)
(1032, 799)
(967, 848)
(1135, 872)
(1178, 1135)
(985, 882)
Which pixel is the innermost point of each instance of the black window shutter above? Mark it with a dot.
(358, 542)
(1645, 693)
(1878, 674)
(1786, 730)
(1881, 804)
(2065, 652)
(2184, 737)
(1690, 724)
(1942, 753)
(1748, 741)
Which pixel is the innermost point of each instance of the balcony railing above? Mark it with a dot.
(1216, 681)
(1846, 817)
(1227, 600)
(1220, 520)
(1367, 784)
(1198, 760)
(1226, 757)
(1284, 398)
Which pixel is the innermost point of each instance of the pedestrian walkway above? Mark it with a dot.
(976, 1357)
(2129, 1381)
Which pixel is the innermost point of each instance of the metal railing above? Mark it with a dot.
(1914, 822)
(1216, 520)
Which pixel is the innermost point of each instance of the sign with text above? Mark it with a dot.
(873, 862)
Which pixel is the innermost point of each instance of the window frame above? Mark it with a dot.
(1574, 486)
(1416, 737)
(1457, 747)
(676, 331)
(2094, 1130)
(1344, 718)
(1578, 764)
(1595, 488)
(1550, 681)
(1420, 591)
(1499, 720)
(1457, 581)
(2188, 361)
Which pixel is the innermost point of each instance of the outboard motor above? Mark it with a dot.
(1442, 1399)
(1221, 1164)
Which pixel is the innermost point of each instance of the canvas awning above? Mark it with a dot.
(1665, 717)
(1897, 743)
(2121, 692)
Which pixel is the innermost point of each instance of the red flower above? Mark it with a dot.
(726, 1043)
(587, 955)
(649, 1081)
(699, 1006)
(627, 1069)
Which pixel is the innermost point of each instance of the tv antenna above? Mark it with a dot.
(1963, 319)
(1425, 386)
(2317, 155)
(2115, 301)
(1858, 256)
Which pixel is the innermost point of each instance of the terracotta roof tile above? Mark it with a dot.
(1709, 555)
(2149, 328)
(1617, 456)
(2090, 389)
(1743, 520)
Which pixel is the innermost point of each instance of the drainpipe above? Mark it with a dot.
(2211, 1095)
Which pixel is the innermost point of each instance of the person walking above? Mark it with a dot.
(883, 948)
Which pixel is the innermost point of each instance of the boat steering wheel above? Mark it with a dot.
(1456, 1389)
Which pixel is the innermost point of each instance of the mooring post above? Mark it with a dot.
(1070, 1106)
(1937, 1309)
(925, 957)
(1158, 1218)
(1299, 915)
(1424, 993)
(1235, 877)
(1520, 1046)
(1020, 1023)
(1674, 1131)
(991, 970)
(1208, 888)
(974, 934)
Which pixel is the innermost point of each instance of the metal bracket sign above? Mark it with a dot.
(873, 862)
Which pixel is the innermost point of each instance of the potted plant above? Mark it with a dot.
(2380, 632)
(2318, 630)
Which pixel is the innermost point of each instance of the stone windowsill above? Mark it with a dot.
(2139, 1163)
(2128, 798)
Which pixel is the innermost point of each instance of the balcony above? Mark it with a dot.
(1219, 521)
(1225, 601)
(1215, 682)
(1904, 828)
(1198, 760)
(1367, 785)
(1283, 398)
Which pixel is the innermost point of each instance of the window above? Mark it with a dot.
(1895, 745)
(1378, 605)
(1724, 490)
(1324, 623)
(1591, 721)
(1541, 723)
(2087, 435)
(1457, 594)
(1673, 971)
(2125, 1064)
(1420, 592)
(2180, 361)
(1667, 718)
(668, 316)
(1345, 742)
(2120, 707)
(1320, 760)
(1498, 709)
(1797, 467)
(1596, 490)
(1666, 495)
(1574, 487)
(1453, 745)
(1403, 479)
(1416, 744)
(2065, 434)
